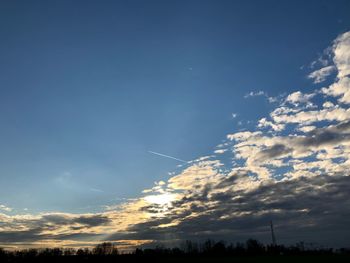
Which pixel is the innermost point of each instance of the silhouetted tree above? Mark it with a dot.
(69, 252)
(190, 247)
(207, 246)
(107, 252)
(254, 247)
(105, 248)
(219, 248)
(83, 252)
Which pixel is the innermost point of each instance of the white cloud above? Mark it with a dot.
(320, 75)
(341, 59)
(341, 49)
(275, 126)
(240, 136)
(340, 89)
(264, 94)
(273, 99)
(220, 151)
(308, 117)
(328, 104)
(255, 94)
(5, 208)
(299, 97)
(307, 128)
(198, 174)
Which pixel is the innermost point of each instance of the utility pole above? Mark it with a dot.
(273, 235)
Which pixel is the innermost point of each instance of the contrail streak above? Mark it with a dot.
(167, 156)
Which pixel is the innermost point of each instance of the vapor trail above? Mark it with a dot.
(167, 156)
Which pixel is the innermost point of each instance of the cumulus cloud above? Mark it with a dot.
(339, 89)
(299, 97)
(341, 51)
(342, 55)
(275, 126)
(236, 215)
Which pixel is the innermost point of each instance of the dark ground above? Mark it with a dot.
(247, 259)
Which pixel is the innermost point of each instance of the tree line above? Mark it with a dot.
(108, 252)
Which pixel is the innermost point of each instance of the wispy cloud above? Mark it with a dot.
(264, 94)
(96, 190)
(255, 94)
(5, 208)
(320, 75)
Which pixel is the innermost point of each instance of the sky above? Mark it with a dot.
(144, 122)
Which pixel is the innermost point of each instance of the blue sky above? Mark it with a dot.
(88, 88)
